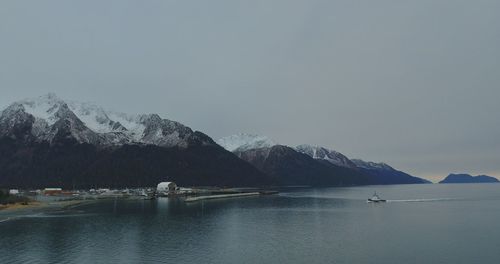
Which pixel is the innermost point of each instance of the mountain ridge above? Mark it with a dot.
(318, 152)
(289, 167)
(89, 123)
(333, 167)
(46, 141)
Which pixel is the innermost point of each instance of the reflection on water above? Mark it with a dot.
(449, 224)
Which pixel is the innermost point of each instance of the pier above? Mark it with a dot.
(220, 196)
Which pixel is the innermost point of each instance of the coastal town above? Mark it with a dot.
(18, 198)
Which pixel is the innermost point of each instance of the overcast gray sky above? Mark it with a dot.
(415, 84)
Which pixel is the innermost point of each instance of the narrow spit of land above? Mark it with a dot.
(220, 196)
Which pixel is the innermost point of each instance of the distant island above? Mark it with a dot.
(466, 178)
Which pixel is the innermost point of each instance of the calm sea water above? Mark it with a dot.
(420, 224)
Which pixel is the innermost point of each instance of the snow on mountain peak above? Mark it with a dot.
(371, 165)
(334, 157)
(243, 141)
(93, 124)
(43, 107)
(92, 115)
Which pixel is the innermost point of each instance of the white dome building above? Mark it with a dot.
(165, 187)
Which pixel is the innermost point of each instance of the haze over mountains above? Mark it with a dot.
(46, 141)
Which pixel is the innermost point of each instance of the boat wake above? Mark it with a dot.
(420, 200)
(356, 199)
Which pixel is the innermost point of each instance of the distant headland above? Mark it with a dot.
(466, 178)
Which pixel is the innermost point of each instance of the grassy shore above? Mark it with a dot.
(20, 205)
(8, 201)
(42, 205)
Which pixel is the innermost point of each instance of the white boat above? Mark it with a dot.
(376, 199)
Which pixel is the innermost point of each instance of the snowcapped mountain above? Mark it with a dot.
(39, 147)
(289, 166)
(311, 165)
(371, 165)
(243, 142)
(292, 168)
(384, 174)
(48, 117)
(334, 157)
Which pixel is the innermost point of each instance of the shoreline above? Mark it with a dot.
(39, 205)
(36, 205)
(20, 206)
(15, 211)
